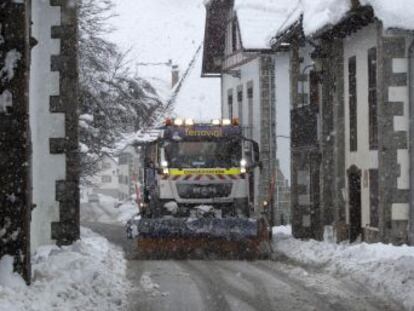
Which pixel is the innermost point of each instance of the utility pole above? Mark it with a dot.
(15, 145)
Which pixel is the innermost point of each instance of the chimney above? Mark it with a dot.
(355, 4)
(175, 75)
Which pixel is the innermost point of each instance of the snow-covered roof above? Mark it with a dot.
(147, 136)
(393, 13)
(259, 21)
(130, 139)
(318, 14)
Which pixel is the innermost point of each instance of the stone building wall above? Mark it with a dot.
(15, 147)
(267, 130)
(393, 135)
(54, 122)
(67, 229)
(393, 126)
(333, 138)
(305, 154)
(38, 107)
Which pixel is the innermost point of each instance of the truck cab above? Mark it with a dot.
(203, 168)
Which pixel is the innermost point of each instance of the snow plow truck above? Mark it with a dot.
(199, 194)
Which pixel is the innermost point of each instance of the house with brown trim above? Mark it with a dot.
(237, 50)
(360, 94)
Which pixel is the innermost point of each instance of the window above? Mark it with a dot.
(234, 35)
(314, 88)
(372, 99)
(106, 179)
(123, 158)
(203, 154)
(353, 117)
(230, 103)
(240, 103)
(373, 198)
(250, 109)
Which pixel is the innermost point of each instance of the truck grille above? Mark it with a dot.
(189, 191)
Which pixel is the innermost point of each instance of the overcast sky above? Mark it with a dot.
(158, 30)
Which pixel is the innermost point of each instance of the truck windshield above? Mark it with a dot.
(212, 154)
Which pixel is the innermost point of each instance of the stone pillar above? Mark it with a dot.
(296, 158)
(355, 4)
(267, 132)
(393, 126)
(411, 134)
(15, 148)
(67, 229)
(333, 138)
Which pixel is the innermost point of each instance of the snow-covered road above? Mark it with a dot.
(238, 285)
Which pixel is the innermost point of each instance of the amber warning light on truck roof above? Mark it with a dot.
(190, 122)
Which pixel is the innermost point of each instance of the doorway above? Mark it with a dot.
(354, 186)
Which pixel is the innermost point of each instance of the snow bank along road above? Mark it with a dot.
(238, 285)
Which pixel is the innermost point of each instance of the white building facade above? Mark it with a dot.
(237, 49)
(130, 172)
(54, 121)
(105, 181)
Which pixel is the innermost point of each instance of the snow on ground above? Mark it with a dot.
(108, 210)
(149, 287)
(383, 268)
(88, 275)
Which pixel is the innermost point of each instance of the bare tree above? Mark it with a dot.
(113, 100)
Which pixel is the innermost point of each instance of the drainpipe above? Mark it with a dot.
(411, 140)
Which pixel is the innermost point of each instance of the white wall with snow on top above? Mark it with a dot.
(282, 81)
(44, 124)
(383, 268)
(89, 275)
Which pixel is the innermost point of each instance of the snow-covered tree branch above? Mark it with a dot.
(113, 100)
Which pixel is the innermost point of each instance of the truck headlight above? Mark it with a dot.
(189, 122)
(178, 122)
(226, 122)
(243, 163)
(164, 164)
